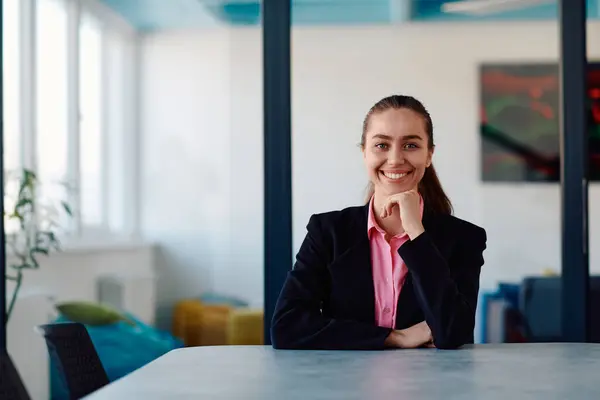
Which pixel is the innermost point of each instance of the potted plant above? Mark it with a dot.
(35, 223)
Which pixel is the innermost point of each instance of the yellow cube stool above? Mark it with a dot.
(246, 327)
(187, 322)
(199, 324)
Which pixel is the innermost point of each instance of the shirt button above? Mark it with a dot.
(387, 310)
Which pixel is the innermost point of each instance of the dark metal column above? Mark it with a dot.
(2, 238)
(276, 17)
(574, 171)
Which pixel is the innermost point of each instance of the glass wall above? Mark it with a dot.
(593, 114)
(200, 147)
(489, 78)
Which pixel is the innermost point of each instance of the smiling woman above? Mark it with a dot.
(412, 150)
(397, 272)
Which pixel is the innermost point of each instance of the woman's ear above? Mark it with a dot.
(430, 157)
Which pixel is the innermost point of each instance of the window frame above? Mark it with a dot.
(111, 24)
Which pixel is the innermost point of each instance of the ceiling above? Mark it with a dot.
(168, 14)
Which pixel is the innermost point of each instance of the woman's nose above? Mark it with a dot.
(396, 157)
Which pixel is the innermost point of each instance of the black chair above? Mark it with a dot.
(73, 352)
(11, 386)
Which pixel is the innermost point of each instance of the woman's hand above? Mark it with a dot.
(418, 335)
(410, 211)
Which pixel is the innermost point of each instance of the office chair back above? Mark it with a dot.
(542, 307)
(72, 351)
(11, 386)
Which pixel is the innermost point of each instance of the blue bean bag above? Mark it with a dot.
(122, 348)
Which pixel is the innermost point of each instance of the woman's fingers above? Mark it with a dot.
(388, 207)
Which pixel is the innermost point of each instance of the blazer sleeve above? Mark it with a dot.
(297, 320)
(447, 290)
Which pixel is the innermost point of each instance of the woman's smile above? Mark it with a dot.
(395, 177)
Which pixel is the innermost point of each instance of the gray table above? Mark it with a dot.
(509, 371)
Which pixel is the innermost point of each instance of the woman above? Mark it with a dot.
(398, 272)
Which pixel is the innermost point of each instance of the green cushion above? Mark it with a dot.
(91, 313)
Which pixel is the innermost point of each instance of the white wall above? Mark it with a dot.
(242, 272)
(68, 276)
(186, 152)
(201, 124)
(202, 150)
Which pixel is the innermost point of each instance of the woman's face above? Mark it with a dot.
(396, 150)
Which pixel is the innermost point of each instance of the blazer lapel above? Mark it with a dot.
(355, 272)
(409, 311)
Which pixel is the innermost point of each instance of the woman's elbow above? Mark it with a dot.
(451, 343)
(447, 345)
(278, 340)
(282, 337)
(282, 345)
(281, 340)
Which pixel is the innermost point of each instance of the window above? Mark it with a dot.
(116, 133)
(11, 95)
(68, 106)
(52, 103)
(11, 84)
(91, 124)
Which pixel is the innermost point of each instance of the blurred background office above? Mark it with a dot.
(152, 112)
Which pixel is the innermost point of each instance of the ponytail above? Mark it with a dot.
(435, 199)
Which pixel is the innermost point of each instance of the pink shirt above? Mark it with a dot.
(389, 270)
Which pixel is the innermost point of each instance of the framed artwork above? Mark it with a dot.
(520, 122)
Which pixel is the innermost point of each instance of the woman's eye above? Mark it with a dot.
(410, 146)
(381, 146)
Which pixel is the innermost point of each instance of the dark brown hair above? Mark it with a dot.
(434, 198)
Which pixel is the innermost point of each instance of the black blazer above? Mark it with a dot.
(328, 298)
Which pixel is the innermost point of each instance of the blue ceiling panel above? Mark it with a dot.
(431, 10)
(162, 14)
(237, 13)
(168, 14)
(310, 12)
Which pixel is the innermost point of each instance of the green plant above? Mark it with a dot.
(32, 226)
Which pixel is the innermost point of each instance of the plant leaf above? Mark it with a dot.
(67, 208)
(34, 261)
(23, 202)
(29, 173)
(23, 266)
(48, 238)
(41, 250)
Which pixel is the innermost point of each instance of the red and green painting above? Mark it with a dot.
(520, 122)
